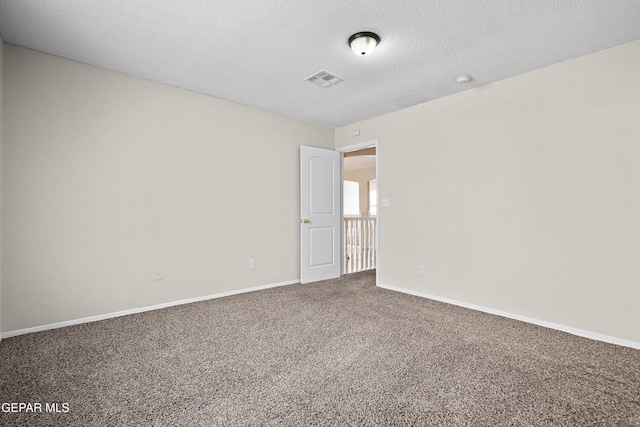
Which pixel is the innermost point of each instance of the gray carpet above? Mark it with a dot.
(340, 352)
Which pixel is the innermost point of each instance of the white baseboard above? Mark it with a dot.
(556, 326)
(139, 310)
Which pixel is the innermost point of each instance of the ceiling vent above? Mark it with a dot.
(324, 79)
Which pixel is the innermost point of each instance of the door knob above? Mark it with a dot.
(306, 221)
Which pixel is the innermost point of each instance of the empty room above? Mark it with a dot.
(294, 213)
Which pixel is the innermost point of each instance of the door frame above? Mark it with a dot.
(354, 147)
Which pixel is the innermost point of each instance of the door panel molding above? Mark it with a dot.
(320, 214)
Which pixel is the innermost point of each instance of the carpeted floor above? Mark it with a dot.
(340, 352)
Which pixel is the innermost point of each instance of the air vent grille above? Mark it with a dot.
(324, 79)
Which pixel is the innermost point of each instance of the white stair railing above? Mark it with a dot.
(359, 244)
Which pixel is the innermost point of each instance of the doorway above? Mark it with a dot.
(323, 242)
(360, 208)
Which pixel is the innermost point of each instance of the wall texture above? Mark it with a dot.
(521, 196)
(109, 177)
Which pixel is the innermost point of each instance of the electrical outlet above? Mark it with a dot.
(421, 270)
(252, 264)
(157, 274)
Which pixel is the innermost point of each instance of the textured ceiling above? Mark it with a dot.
(258, 52)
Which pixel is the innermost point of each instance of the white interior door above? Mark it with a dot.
(320, 214)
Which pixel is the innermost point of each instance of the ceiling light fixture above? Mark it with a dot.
(463, 78)
(364, 42)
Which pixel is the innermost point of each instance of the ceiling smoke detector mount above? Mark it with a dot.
(364, 42)
(463, 78)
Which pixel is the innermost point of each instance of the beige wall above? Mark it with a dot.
(521, 196)
(362, 177)
(109, 177)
